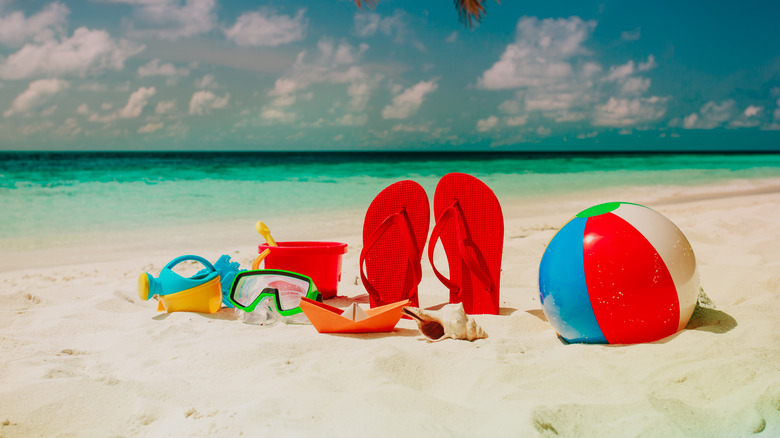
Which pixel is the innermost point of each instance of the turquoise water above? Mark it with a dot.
(43, 194)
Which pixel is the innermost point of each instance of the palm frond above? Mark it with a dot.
(470, 11)
(369, 3)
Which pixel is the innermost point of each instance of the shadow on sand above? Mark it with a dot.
(704, 318)
(225, 313)
(409, 333)
(711, 320)
(539, 313)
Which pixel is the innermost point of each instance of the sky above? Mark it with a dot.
(404, 75)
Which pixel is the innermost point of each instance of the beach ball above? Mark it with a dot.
(618, 273)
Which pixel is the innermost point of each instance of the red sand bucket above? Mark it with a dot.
(319, 260)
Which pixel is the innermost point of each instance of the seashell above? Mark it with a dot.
(450, 321)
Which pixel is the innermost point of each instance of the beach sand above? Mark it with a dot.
(83, 356)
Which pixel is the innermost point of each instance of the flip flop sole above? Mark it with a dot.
(484, 227)
(387, 264)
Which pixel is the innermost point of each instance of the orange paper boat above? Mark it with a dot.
(329, 319)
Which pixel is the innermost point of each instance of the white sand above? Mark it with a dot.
(83, 356)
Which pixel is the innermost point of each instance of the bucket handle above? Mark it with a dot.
(259, 258)
(183, 258)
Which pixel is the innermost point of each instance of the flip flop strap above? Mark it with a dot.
(400, 220)
(452, 212)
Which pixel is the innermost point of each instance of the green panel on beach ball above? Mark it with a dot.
(604, 208)
(598, 209)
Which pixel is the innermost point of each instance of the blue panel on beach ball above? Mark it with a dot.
(562, 287)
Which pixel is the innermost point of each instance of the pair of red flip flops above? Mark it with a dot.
(470, 225)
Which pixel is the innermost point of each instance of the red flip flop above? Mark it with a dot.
(470, 224)
(394, 234)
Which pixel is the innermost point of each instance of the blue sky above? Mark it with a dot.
(406, 75)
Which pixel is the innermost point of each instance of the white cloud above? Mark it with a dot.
(635, 86)
(331, 64)
(487, 124)
(627, 107)
(93, 86)
(584, 135)
(87, 51)
(619, 112)
(284, 86)
(744, 123)
(550, 102)
(690, 121)
(137, 102)
(777, 112)
(36, 94)
(132, 109)
(284, 100)
(150, 128)
(165, 106)
(277, 115)
(204, 101)
(452, 37)
(368, 24)
(748, 119)
(752, 111)
(207, 81)
(156, 68)
(16, 29)
(511, 106)
(619, 73)
(359, 88)
(539, 54)
(517, 121)
(38, 126)
(649, 65)
(401, 127)
(547, 63)
(263, 28)
(711, 115)
(169, 19)
(69, 128)
(46, 112)
(352, 120)
(408, 102)
(622, 73)
(334, 64)
(631, 35)
(590, 70)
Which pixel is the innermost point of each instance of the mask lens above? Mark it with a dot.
(247, 289)
(290, 291)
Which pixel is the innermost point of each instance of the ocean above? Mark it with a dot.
(48, 194)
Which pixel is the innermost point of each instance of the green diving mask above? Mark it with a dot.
(284, 288)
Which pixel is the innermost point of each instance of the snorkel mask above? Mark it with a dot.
(270, 294)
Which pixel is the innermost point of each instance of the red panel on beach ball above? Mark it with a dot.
(632, 293)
